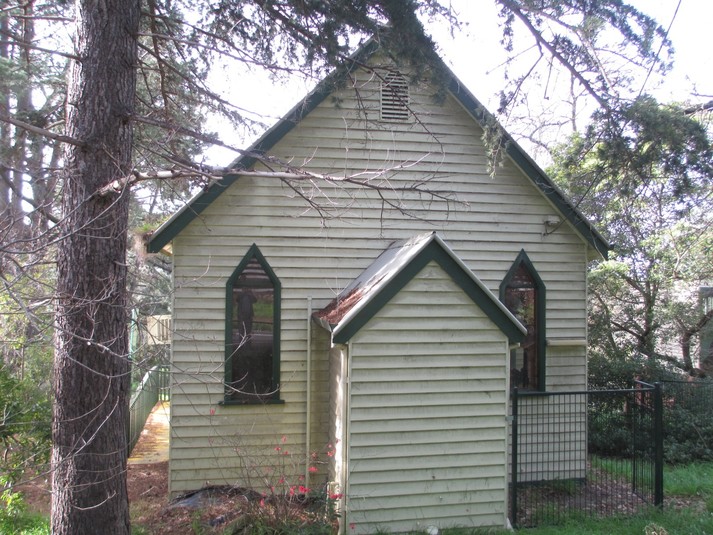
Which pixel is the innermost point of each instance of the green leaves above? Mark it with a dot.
(597, 42)
(24, 427)
(644, 174)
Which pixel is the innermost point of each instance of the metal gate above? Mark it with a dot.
(597, 452)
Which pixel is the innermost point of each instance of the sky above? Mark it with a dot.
(470, 54)
(476, 57)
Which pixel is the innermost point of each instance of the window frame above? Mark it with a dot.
(274, 395)
(540, 315)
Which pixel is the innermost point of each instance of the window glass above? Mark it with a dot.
(251, 368)
(523, 293)
(521, 300)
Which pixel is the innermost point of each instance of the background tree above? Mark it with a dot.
(646, 180)
(135, 105)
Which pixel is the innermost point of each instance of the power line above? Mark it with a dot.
(658, 53)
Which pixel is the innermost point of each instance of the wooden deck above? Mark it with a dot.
(152, 446)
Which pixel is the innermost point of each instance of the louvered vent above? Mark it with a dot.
(394, 98)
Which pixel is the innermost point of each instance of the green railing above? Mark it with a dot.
(153, 388)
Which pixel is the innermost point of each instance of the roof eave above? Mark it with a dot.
(358, 316)
(529, 167)
(195, 207)
(172, 227)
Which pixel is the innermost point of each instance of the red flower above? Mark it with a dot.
(313, 469)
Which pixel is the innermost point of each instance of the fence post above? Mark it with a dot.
(658, 439)
(513, 482)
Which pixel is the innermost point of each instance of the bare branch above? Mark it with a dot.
(40, 49)
(42, 131)
(691, 110)
(24, 198)
(205, 138)
(555, 53)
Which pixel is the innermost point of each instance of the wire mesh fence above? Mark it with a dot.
(688, 420)
(596, 453)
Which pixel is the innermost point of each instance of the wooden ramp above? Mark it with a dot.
(152, 446)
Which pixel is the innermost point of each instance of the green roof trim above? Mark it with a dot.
(434, 251)
(533, 171)
(171, 228)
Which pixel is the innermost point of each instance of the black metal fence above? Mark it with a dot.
(597, 453)
(688, 420)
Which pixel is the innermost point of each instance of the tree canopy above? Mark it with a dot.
(647, 181)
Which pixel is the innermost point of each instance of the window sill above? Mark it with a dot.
(252, 402)
(530, 392)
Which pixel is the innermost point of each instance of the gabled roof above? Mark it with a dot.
(173, 226)
(395, 268)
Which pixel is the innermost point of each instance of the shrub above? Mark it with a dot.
(25, 431)
(688, 410)
(688, 421)
(14, 519)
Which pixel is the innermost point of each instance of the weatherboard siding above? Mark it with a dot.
(435, 424)
(485, 220)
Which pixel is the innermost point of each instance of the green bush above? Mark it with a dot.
(688, 410)
(14, 518)
(25, 427)
(609, 431)
(688, 421)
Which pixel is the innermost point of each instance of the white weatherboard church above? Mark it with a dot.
(373, 350)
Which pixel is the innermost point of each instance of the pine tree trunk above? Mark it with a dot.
(91, 378)
(5, 191)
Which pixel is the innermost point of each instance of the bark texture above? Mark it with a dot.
(91, 366)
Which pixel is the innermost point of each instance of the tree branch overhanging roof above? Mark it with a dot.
(173, 226)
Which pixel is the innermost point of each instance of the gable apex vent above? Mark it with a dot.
(394, 97)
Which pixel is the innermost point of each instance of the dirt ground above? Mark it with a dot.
(150, 507)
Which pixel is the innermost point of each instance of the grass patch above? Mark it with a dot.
(621, 468)
(694, 479)
(24, 524)
(652, 522)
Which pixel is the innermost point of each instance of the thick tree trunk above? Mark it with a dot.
(91, 365)
(5, 190)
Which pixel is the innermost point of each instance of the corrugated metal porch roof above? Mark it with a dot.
(391, 271)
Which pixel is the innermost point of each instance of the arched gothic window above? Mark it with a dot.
(523, 293)
(252, 332)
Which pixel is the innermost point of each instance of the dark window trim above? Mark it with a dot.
(522, 258)
(274, 397)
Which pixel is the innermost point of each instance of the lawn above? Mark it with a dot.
(688, 492)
